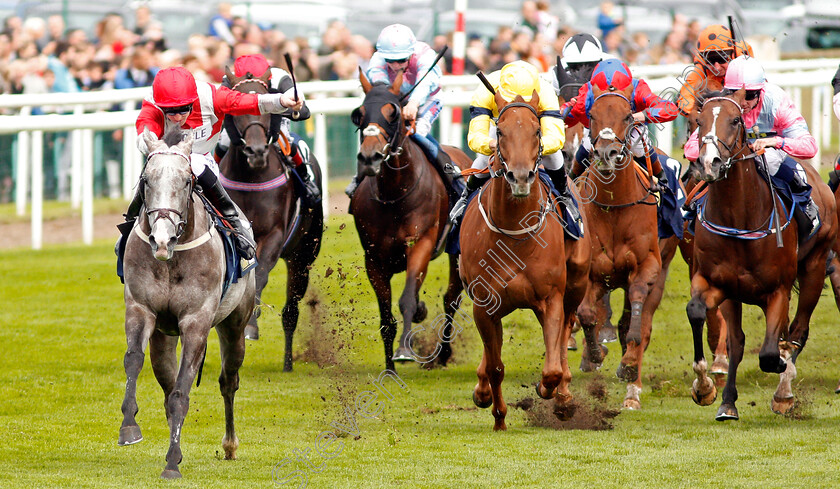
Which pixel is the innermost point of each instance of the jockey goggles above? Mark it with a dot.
(403, 60)
(720, 57)
(180, 110)
(752, 94)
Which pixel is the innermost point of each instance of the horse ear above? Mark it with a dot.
(500, 101)
(628, 91)
(186, 144)
(366, 85)
(230, 76)
(266, 76)
(740, 95)
(150, 139)
(535, 100)
(596, 90)
(395, 87)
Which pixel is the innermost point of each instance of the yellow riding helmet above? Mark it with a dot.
(518, 78)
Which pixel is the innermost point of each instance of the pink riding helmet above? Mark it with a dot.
(744, 72)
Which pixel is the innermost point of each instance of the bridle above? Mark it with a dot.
(608, 133)
(154, 214)
(240, 140)
(505, 171)
(393, 136)
(712, 139)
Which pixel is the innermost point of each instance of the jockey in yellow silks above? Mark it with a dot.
(518, 78)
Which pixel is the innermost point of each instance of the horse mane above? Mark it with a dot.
(173, 136)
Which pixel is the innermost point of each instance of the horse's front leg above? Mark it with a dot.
(556, 375)
(590, 313)
(491, 370)
(380, 279)
(164, 356)
(735, 338)
(776, 313)
(296, 284)
(268, 252)
(139, 325)
(451, 302)
(703, 298)
(418, 256)
(638, 294)
(716, 334)
(194, 330)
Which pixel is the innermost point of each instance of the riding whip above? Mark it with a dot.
(440, 55)
(486, 82)
(295, 113)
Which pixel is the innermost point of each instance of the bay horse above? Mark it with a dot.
(174, 268)
(258, 180)
(737, 255)
(510, 237)
(621, 213)
(400, 210)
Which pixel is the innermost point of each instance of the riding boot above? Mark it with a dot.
(558, 178)
(353, 185)
(451, 175)
(220, 199)
(807, 213)
(311, 197)
(473, 183)
(131, 213)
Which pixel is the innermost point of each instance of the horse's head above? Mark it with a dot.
(251, 132)
(721, 135)
(519, 142)
(610, 124)
(380, 120)
(167, 183)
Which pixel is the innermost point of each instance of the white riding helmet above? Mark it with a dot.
(582, 48)
(396, 42)
(744, 72)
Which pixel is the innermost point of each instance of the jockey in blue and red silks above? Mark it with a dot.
(647, 108)
(398, 51)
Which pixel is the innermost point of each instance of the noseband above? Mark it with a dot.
(153, 215)
(505, 171)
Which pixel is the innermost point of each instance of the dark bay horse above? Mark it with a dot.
(260, 183)
(175, 289)
(737, 255)
(621, 214)
(400, 210)
(511, 237)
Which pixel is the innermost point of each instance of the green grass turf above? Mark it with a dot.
(62, 383)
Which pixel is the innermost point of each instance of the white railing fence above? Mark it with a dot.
(83, 113)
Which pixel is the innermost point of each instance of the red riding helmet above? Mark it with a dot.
(174, 87)
(255, 64)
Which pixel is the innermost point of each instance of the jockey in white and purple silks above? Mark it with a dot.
(397, 50)
(774, 124)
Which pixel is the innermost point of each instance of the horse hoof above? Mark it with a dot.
(500, 425)
(129, 435)
(403, 355)
(541, 391)
(727, 412)
(631, 404)
(420, 313)
(587, 366)
(627, 373)
(705, 399)
(607, 334)
(572, 344)
(479, 403)
(720, 379)
(837, 389)
(782, 405)
(252, 332)
(171, 474)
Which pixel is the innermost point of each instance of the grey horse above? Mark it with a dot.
(174, 269)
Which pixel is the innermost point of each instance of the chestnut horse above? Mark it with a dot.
(737, 255)
(258, 180)
(510, 238)
(400, 210)
(621, 212)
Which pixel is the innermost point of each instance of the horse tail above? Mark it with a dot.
(201, 367)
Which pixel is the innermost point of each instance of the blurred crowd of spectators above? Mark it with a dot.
(40, 56)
